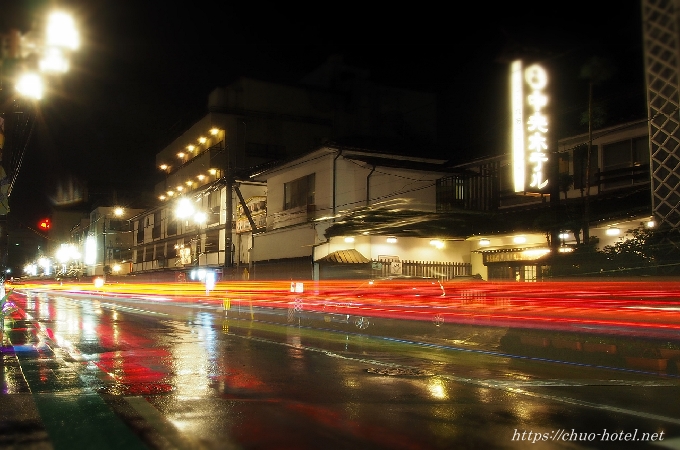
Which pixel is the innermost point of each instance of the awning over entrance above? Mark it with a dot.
(515, 255)
(350, 256)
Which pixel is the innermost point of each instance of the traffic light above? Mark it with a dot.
(44, 224)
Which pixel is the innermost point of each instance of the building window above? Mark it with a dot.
(118, 225)
(625, 162)
(450, 194)
(140, 232)
(172, 227)
(213, 208)
(212, 241)
(299, 193)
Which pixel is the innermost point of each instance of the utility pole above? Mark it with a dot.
(229, 204)
(586, 199)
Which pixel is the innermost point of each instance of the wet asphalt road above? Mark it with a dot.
(101, 373)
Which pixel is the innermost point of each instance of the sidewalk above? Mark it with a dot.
(45, 403)
(20, 424)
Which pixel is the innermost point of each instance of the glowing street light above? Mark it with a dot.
(184, 208)
(30, 85)
(61, 31)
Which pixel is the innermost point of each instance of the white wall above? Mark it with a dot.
(284, 243)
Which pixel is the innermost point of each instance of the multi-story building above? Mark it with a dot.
(250, 124)
(106, 241)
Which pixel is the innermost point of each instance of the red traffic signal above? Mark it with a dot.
(45, 224)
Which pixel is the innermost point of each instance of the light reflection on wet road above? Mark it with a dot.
(189, 377)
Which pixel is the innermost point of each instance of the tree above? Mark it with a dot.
(633, 255)
(649, 251)
(595, 71)
(566, 181)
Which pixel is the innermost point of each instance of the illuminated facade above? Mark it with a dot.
(619, 197)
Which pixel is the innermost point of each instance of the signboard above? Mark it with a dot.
(258, 212)
(530, 126)
(395, 268)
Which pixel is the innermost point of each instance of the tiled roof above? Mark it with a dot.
(350, 256)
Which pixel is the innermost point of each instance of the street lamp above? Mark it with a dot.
(37, 53)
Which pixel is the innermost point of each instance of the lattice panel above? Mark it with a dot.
(661, 54)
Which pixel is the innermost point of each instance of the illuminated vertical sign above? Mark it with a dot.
(529, 126)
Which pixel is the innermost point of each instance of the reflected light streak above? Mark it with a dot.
(437, 389)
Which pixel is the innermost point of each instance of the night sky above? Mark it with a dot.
(146, 68)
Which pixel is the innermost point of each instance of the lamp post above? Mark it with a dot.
(36, 54)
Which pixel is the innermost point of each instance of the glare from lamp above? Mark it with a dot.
(30, 85)
(54, 61)
(190, 148)
(200, 217)
(519, 239)
(391, 240)
(184, 208)
(61, 31)
(214, 131)
(202, 140)
(613, 231)
(349, 239)
(437, 243)
(651, 224)
(484, 242)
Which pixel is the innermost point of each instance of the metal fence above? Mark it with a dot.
(442, 270)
